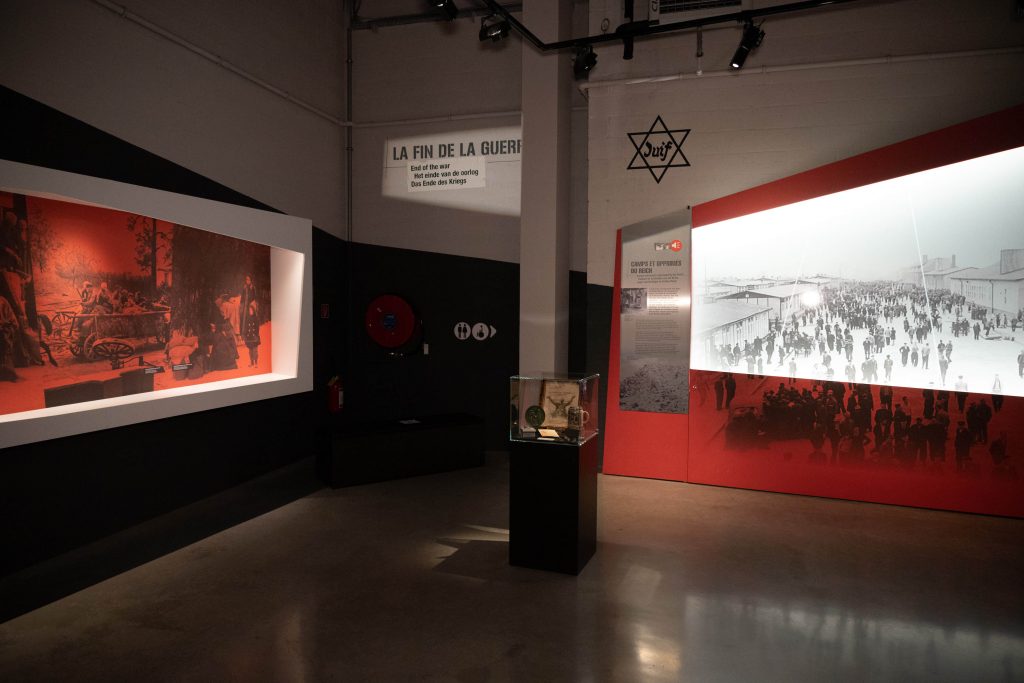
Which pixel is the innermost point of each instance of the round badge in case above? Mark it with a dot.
(535, 416)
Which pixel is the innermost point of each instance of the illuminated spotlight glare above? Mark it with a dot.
(810, 298)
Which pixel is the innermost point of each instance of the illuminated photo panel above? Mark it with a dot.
(121, 304)
(97, 303)
(916, 281)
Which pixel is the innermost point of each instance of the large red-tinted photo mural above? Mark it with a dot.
(858, 330)
(97, 303)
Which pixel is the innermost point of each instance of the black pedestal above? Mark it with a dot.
(552, 505)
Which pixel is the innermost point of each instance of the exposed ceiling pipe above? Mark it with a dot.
(125, 13)
(631, 30)
(440, 119)
(404, 19)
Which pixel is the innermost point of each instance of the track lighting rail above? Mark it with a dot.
(640, 29)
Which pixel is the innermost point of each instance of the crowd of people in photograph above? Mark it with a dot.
(856, 423)
(865, 331)
(105, 300)
(125, 313)
(860, 339)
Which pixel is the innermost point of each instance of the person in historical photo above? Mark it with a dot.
(251, 332)
(228, 305)
(180, 350)
(8, 337)
(225, 352)
(246, 298)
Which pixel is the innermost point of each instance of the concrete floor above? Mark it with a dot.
(408, 581)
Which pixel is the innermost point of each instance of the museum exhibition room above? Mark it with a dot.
(512, 340)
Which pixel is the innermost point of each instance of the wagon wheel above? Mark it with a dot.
(87, 347)
(113, 350)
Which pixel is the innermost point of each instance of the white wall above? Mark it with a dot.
(750, 127)
(428, 70)
(578, 191)
(410, 73)
(84, 60)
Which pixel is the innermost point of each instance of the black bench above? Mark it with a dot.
(365, 452)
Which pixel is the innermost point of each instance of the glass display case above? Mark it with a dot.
(552, 407)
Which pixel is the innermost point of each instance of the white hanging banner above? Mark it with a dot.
(494, 144)
(450, 174)
(483, 165)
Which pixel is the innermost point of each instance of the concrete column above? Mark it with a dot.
(545, 217)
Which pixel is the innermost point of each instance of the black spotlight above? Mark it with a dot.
(583, 63)
(752, 37)
(446, 8)
(493, 28)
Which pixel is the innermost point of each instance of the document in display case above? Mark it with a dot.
(555, 408)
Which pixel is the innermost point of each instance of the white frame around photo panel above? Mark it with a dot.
(291, 242)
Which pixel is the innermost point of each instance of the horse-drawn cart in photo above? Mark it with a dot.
(114, 337)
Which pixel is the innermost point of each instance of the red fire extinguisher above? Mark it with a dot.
(335, 395)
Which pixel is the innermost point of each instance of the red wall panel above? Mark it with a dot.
(636, 444)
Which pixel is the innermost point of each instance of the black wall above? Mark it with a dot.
(598, 334)
(60, 494)
(578, 341)
(456, 376)
(330, 343)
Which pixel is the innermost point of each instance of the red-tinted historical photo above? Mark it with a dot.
(97, 303)
(933, 447)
